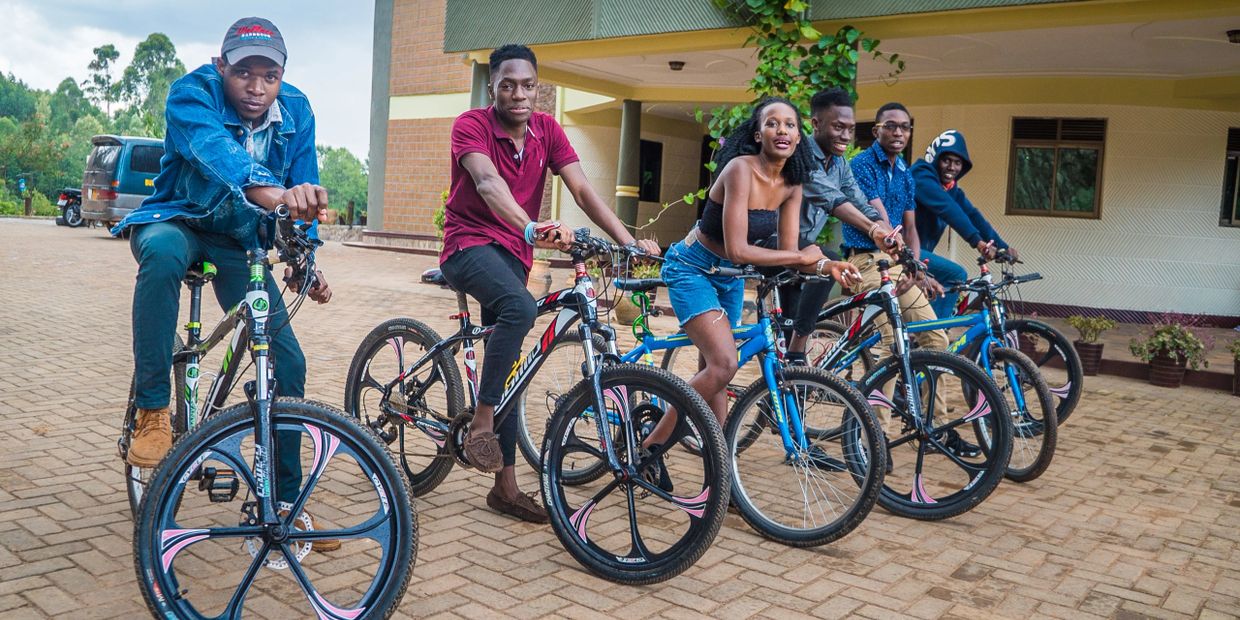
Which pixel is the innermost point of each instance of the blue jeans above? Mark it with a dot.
(164, 251)
(947, 273)
(693, 291)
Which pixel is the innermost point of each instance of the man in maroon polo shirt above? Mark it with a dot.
(500, 158)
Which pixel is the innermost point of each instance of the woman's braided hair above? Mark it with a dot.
(740, 142)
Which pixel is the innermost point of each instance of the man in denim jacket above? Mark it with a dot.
(238, 139)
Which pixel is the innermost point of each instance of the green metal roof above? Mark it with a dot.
(485, 24)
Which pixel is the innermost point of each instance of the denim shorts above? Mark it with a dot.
(693, 291)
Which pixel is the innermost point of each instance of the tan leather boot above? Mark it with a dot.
(152, 438)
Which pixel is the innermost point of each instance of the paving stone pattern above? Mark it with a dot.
(1139, 515)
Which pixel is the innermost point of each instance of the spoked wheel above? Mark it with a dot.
(201, 555)
(826, 335)
(963, 452)
(1034, 428)
(1055, 358)
(537, 404)
(137, 478)
(416, 411)
(654, 518)
(809, 496)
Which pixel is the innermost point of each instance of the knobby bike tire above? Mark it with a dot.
(854, 438)
(427, 460)
(1034, 429)
(704, 513)
(1068, 394)
(959, 485)
(155, 549)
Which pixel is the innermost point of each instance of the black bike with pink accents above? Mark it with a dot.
(650, 519)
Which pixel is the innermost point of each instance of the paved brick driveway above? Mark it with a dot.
(1138, 516)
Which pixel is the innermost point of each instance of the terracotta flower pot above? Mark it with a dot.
(539, 282)
(1029, 346)
(626, 312)
(1167, 371)
(1091, 356)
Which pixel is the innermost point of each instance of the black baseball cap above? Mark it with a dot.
(253, 36)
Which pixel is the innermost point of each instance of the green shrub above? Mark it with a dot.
(1090, 327)
(1174, 341)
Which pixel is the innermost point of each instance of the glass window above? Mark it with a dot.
(1229, 209)
(104, 158)
(1056, 167)
(145, 159)
(650, 162)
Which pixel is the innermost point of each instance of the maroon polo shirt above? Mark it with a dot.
(468, 221)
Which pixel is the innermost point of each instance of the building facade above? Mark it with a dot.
(1104, 134)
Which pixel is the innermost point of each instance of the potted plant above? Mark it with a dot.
(1169, 349)
(1088, 347)
(1234, 349)
(539, 281)
(626, 310)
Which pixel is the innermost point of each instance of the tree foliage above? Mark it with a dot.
(145, 82)
(345, 178)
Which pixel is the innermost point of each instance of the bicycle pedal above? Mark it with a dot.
(220, 484)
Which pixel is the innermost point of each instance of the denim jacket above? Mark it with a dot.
(205, 162)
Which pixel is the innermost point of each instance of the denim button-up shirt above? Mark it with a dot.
(206, 165)
(879, 178)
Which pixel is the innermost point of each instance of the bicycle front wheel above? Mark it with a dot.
(1034, 427)
(418, 409)
(206, 554)
(953, 453)
(661, 511)
(812, 496)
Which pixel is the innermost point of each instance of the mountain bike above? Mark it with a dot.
(924, 398)
(404, 383)
(982, 315)
(807, 455)
(201, 552)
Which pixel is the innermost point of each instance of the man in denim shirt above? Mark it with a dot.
(237, 139)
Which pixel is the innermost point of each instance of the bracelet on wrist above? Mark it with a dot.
(529, 232)
(818, 268)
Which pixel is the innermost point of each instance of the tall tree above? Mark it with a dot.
(67, 105)
(17, 101)
(99, 84)
(144, 83)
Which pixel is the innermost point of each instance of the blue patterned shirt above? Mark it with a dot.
(879, 178)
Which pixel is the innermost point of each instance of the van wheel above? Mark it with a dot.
(73, 216)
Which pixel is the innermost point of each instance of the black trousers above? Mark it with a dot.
(496, 278)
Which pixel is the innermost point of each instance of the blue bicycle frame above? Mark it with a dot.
(752, 341)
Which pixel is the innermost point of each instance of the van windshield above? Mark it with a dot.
(103, 158)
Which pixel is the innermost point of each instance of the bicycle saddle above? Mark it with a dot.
(435, 276)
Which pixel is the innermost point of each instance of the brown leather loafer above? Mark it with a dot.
(524, 507)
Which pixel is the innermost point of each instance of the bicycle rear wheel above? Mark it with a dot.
(928, 480)
(199, 556)
(137, 478)
(637, 527)
(415, 411)
(536, 406)
(817, 495)
(826, 335)
(1055, 358)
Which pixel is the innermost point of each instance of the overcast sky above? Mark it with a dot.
(329, 46)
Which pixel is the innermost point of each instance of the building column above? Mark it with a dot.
(478, 96)
(379, 113)
(628, 167)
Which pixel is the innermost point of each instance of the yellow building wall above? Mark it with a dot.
(596, 137)
(1158, 245)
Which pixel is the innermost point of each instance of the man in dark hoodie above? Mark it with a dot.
(941, 203)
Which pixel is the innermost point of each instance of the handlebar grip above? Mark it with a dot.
(733, 272)
(1029, 277)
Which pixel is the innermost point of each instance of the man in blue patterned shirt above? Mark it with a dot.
(883, 175)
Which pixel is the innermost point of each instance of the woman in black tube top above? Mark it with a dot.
(757, 192)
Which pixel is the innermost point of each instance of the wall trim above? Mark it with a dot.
(418, 107)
